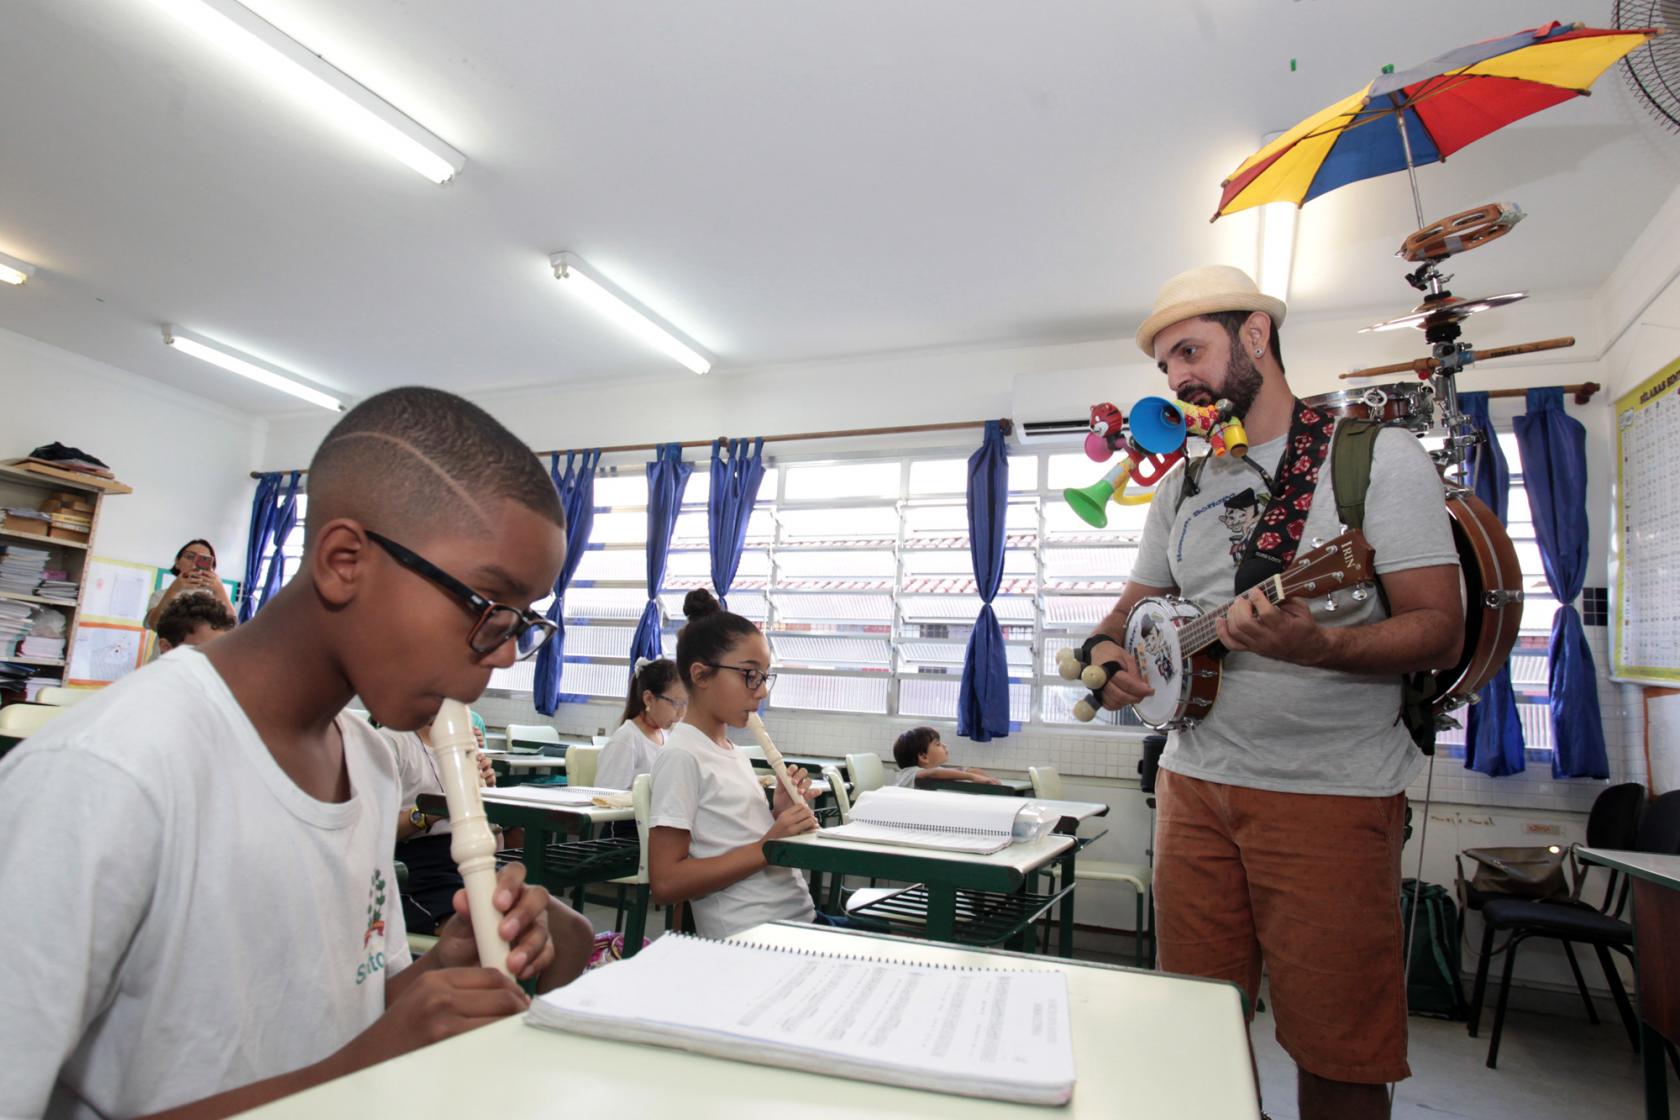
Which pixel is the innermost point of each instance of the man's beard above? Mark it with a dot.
(1243, 382)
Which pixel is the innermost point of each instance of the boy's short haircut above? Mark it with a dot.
(409, 460)
(186, 613)
(910, 746)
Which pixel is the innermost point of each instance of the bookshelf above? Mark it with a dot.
(20, 487)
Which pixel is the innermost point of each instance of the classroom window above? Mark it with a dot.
(291, 553)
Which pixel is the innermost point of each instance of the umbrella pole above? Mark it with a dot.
(1411, 172)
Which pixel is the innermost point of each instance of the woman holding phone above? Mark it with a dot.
(195, 573)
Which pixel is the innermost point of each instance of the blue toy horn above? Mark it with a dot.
(1157, 425)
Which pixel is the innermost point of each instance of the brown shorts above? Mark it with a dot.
(1307, 883)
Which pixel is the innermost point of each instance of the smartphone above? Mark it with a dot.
(204, 563)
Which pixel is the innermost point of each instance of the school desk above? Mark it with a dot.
(1656, 917)
(1006, 787)
(1004, 908)
(1144, 1045)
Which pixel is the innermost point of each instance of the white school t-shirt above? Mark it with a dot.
(416, 772)
(713, 794)
(182, 919)
(629, 752)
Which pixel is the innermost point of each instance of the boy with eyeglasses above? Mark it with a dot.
(222, 927)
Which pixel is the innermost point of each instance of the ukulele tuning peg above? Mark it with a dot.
(1318, 542)
(1360, 594)
(1330, 604)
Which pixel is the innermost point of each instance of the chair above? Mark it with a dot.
(1047, 786)
(532, 733)
(866, 772)
(63, 697)
(19, 720)
(1613, 823)
(580, 765)
(842, 802)
(635, 929)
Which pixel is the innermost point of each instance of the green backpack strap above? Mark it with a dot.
(1350, 468)
(1350, 475)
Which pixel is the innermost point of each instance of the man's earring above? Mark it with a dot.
(1258, 353)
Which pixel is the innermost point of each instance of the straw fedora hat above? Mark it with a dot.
(1201, 291)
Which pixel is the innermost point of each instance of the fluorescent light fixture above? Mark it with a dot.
(246, 366)
(1276, 250)
(613, 302)
(263, 47)
(14, 271)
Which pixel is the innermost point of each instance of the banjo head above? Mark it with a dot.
(1152, 640)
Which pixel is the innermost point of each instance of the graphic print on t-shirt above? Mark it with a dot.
(1240, 514)
(375, 961)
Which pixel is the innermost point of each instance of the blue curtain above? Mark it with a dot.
(576, 487)
(1493, 736)
(1554, 458)
(736, 474)
(983, 700)
(273, 516)
(667, 478)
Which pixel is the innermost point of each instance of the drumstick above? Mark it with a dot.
(454, 750)
(1423, 367)
(760, 733)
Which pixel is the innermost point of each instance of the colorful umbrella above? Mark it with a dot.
(1427, 113)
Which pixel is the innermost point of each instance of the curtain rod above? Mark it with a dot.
(902, 429)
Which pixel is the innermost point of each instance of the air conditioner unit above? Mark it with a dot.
(1037, 433)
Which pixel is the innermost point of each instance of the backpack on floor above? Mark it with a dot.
(1433, 986)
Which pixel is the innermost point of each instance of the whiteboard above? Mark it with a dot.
(1645, 543)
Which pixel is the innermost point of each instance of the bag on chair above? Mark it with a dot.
(1432, 984)
(1533, 872)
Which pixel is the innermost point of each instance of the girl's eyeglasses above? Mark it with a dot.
(497, 623)
(753, 677)
(679, 705)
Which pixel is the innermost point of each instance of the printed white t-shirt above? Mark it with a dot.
(713, 794)
(629, 752)
(181, 918)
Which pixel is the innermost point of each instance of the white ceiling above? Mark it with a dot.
(784, 180)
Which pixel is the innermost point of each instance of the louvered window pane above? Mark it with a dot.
(935, 697)
(831, 652)
(830, 694)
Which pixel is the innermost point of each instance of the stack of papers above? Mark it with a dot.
(51, 649)
(16, 621)
(59, 590)
(32, 687)
(21, 569)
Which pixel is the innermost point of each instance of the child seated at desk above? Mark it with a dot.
(220, 930)
(657, 701)
(709, 820)
(921, 755)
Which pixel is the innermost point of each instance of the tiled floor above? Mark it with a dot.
(1550, 1068)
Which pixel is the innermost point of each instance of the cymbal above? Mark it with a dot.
(1452, 309)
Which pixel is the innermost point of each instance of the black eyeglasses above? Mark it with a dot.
(497, 623)
(679, 705)
(753, 677)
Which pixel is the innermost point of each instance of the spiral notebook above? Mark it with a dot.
(992, 1033)
(951, 822)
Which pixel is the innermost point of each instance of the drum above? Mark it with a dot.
(1184, 692)
(1493, 600)
(1408, 404)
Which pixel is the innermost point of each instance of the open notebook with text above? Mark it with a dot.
(995, 1033)
(952, 822)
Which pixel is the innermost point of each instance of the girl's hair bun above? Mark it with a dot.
(699, 603)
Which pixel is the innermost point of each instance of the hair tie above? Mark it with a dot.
(641, 663)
